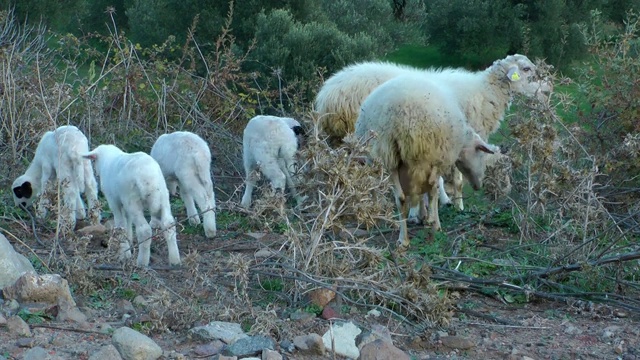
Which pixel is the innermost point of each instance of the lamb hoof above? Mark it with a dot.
(194, 220)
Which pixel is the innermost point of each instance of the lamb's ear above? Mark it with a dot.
(513, 74)
(90, 155)
(298, 130)
(23, 191)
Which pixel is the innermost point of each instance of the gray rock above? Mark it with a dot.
(268, 354)
(457, 342)
(133, 345)
(309, 344)
(12, 264)
(249, 346)
(17, 326)
(38, 353)
(377, 331)
(107, 352)
(288, 346)
(210, 349)
(380, 349)
(225, 331)
(343, 337)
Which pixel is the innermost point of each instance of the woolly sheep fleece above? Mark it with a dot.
(269, 144)
(133, 183)
(339, 99)
(59, 157)
(185, 160)
(418, 132)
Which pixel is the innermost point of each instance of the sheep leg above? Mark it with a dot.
(401, 204)
(144, 236)
(250, 183)
(68, 208)
(457, 189)
(418, 213)
(289, 169)
(166, 223)
(206, 200)
(434, 217)
(444, 198)
(91, 194)
(120, 223)
(192, 212)
(272, 171)
(172, 185)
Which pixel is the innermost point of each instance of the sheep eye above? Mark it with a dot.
(527, 69)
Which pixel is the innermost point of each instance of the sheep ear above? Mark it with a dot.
(23, 191)
(298, 130)
(484, 148)
(90, 156)
(513, 74)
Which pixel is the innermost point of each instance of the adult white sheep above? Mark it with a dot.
(132, 183)
(420, 131)
(185, 160)
(269, 144)
(483, 96)
(59, 157)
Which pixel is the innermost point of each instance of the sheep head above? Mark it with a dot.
(23, 191)
(523, 77)
(471, 161)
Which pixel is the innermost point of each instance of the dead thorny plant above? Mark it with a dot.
(344, 193)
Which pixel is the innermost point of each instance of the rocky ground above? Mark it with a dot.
(110, 324)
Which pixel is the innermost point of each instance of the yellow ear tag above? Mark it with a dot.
(515, 76)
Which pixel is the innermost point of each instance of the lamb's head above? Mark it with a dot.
(23, 191)
(471, 161)
(523, 76)
(301, 134)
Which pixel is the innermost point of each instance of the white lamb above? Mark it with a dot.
(132, 183)
(59, 157)
(185, 160)
(419, 132)
(270, 143)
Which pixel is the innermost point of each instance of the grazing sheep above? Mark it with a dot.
(185, 160)
(132, 183)
(270, 143)
(483, 96)
(59, 156)
(419, 133)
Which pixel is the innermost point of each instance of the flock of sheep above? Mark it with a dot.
(425, 126)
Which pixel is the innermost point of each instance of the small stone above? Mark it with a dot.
(380, 349)
(341, 338)
(620, 313)
(139, 300)
(309, 344)
(301, 316)
(107, 352)
(26, 342)
(15, 325)
(329, 313)
(225, 331)
(321, 297)
(572, 330)
(373, 312)
(249, 346)
(457, 342)
(288, 346)
(133, 345)
(210, 349)
(618, 349)
(268, 354)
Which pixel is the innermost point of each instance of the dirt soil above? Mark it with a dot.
(482, 328)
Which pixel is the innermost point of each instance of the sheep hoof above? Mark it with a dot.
(194, 220)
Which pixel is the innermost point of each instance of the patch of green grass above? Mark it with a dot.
(272, 285)
(229, 219)
(37, 317)
(313, 309)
